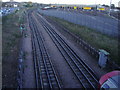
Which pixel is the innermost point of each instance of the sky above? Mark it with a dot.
(73, 1)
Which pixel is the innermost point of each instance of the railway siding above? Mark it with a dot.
(89, 48)
(71, 58)
(44, 71)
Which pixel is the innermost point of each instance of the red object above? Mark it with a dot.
(107, 76)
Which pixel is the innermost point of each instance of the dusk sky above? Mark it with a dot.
(73, 1)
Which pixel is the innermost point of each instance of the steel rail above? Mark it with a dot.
(35, 59)
(48, 66)
(73, 66)
(76, 60)
(41, 85)
(75, 55)
(45, 70)
(46, 54)
(45, 57)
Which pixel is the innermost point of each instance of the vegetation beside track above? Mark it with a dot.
(11, 31)
(94, 38)
(10, 47)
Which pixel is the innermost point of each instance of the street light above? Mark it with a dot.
(96, 7)
(110, 7)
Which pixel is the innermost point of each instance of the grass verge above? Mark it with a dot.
(10, 47)
(10, 31)
(94, 38)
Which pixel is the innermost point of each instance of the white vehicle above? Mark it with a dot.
(45, 8)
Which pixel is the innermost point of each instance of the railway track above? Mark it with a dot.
(82, 71)
(45, 75)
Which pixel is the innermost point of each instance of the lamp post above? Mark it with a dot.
(110, 7)
(95, 7)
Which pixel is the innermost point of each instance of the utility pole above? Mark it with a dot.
(110, 7)
(95, 7)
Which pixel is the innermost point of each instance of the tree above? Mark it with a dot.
(112, 6)
(105, 5)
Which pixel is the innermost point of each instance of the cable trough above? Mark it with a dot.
(45, 74)
(83, 72)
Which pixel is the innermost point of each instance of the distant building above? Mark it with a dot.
(11, 1)
(10, 4)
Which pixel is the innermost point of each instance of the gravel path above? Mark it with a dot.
(29, 76)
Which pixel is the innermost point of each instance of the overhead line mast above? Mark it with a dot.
(110, 7)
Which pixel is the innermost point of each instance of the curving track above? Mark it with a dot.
(45, 75)
(82, 71)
